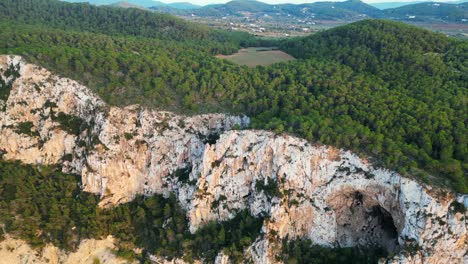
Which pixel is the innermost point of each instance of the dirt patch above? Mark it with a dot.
(253, 57)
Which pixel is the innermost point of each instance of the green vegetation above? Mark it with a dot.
(42, 205)
(253, 57)
(405, 97)
(108, 20)
(458, 207)
(183, 174)
(430, 12)
(25, 128)
(7, 77)
(395, 92)
(210, 138)
(271, 188)
(126, 70)
(128, 136)
(231, 237)
(391, 91)
(70, 123)
(83, 17)
(320, 10)
(303, 251)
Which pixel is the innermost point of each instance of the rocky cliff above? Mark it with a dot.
(90, 251)
(326, 194)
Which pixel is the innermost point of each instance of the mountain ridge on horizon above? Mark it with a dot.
(415, 11)
(151, 3)
(130, 126)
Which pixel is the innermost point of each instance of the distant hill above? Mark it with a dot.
(454, 11)
(430, 11)
(380, 38)
(387, 5)
(352, 9)
(245, 5)
(235, 7)
(142, 3)
(333, 10)
(137, 3)
(183, 5)
(126, 5)
(100, 19)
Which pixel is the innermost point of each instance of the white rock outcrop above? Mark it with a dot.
(329, 195)
(90, 251)
(119, 152)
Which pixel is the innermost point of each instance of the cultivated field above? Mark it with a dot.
(257, 56)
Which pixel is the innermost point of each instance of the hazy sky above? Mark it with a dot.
(205, 2)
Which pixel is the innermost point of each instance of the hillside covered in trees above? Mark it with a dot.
(394, 92)
(42, 205)
(427, 11)
(112, 21)
(390, 90)
(413, 99)
(349, 10)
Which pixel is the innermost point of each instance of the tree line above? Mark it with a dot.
(40, 204)
(395, 97)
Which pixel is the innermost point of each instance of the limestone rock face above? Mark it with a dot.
(15, 251)
(119, 152)
(326, 194)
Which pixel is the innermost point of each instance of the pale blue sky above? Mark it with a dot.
(205, 2)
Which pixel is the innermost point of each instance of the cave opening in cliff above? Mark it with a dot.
(362, 222)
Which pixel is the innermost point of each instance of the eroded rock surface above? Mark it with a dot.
(329, 195)
(118, 151)
(90, 251)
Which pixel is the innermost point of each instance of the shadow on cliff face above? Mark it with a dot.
(363, 222)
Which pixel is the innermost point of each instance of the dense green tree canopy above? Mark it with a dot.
(42, 205)
(395, 92)
(392, 91)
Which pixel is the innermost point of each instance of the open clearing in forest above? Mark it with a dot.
(257, 56)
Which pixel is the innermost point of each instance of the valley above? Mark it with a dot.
(131, 136)
(289, 20)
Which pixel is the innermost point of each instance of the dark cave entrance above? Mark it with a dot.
(385, 220)
(362, 222)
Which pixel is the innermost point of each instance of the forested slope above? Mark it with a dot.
(113, 21)
(393, 90)
(42, 205)
(110, 21)
(437, 11)
(84, 17)
(416, 96)
(385, 89)
(125, 70)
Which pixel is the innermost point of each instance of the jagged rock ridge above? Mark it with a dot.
(329, 195)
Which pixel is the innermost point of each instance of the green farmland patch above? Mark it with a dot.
(253, 57)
